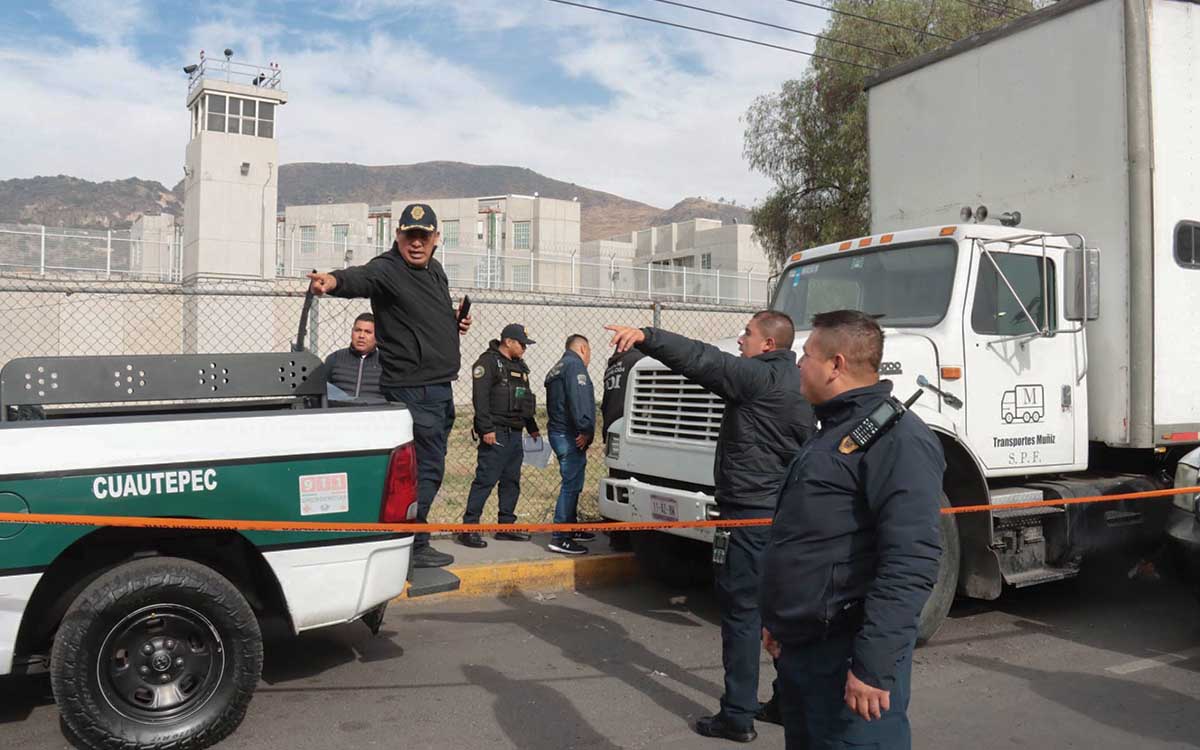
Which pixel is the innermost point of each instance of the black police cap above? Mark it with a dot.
(418, 216)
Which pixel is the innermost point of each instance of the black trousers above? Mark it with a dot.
(497, 464)
(432, 410)
(737, 586)
(812, 685)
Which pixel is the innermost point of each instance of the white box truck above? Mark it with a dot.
(1055, 346)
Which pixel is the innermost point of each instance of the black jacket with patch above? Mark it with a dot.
(501, 393)
(616, 383)
(416, 329)
(766, 420)
(855, 544)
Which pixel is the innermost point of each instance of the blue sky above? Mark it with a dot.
(645, 111)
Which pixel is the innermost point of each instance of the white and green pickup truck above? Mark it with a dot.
(152, 636)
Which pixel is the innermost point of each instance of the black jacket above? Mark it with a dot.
(354, 373)
(766, 420)
(855, 542)
(616, 382)
(570, 398)
(501, 393)
(415, 326)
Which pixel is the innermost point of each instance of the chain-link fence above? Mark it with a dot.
(45, 317)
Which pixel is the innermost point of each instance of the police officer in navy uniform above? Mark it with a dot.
(763, 426)
(417, 332)
(504, 405)
(854, 549)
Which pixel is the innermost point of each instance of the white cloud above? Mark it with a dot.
(669, 129)
(109, 21)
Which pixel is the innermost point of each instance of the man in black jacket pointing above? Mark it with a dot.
(764, 424)
(417, 332)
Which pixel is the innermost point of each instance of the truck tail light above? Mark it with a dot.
(400, 487)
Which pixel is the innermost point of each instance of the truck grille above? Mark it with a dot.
(670, 407)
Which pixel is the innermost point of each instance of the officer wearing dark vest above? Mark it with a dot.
(763, 426)
(854, 548)
(504, 405)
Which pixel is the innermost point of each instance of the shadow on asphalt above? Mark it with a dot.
(287, 658)
(1142, 709)
(576, 634)
(22, 694)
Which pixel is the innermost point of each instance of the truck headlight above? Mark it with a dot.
(613, 448)
(1186, 476)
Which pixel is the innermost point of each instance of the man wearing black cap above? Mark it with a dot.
(417, 332)
(504, 404)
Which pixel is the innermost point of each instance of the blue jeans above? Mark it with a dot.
(572, 464)
(432, 409)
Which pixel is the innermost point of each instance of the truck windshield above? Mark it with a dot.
(907, 285)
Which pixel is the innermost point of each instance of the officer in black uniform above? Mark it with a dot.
(763, 426)
(854, 548)
(416, 330)
(616, 383)
(504, 404)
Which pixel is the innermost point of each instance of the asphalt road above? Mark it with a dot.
(1100, 662)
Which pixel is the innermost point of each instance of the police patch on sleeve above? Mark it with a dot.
(478, 371)
(582, 378)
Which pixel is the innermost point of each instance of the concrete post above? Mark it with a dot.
(43, 261)
(657, 319)
(108, 255)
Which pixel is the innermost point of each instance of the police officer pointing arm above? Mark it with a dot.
(763, 426)
(417, 333)
(854, 548)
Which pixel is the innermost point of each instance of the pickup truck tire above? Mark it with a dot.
(672, 560)
(938, 605)
(156, 653)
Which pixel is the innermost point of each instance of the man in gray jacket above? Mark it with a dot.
(355, 370)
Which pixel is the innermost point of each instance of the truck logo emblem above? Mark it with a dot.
(1024, 403)
(890, 368)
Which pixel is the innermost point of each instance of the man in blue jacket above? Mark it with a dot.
(853, 551)
(571, 422)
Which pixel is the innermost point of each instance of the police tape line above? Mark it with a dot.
(204, 524)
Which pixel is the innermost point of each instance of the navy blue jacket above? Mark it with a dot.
(765, 421)
(570, 398)
(855, 543)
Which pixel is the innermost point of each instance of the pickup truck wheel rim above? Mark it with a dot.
(160, 663)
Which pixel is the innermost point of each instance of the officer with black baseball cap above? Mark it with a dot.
(504, 405)
(417, 332)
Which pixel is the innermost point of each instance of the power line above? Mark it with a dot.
(777, 26)
(715, 33)
(1000, 10)
(873, 19)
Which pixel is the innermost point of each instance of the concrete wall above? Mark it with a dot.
(326, 254)
(154, 248)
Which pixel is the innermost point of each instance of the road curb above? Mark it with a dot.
(532, 576)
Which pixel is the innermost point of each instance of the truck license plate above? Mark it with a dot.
(663, 508)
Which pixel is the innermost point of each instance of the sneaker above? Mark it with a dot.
(471, 539)
(769, 712)
(715, 726)
(513, 536)
(427, 557)
(566, 547)
(583, 536)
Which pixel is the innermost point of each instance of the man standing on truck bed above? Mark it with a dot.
(854, 548)
(417, 333)
(762, 429)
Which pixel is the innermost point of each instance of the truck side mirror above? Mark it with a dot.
(1082, 295)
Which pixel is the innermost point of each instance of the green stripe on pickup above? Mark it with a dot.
(260, 490)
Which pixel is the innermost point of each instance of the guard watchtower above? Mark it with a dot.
(231, 169)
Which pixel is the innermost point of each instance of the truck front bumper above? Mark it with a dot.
(1183, 534)
(635, 501)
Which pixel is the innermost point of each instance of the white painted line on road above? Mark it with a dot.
(1157, 661)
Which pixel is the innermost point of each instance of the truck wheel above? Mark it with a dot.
(942, 596)
(156, 653)
(672, 560)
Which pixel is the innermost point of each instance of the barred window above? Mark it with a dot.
(308, 240)
(521, 235)
(450, 233)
